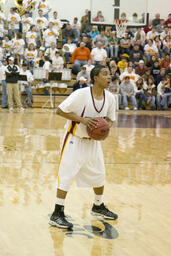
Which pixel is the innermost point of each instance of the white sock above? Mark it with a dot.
(60, 201)
(98, 199)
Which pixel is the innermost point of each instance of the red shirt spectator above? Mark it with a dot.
(168, 21)
(165, 62)
(81, 53)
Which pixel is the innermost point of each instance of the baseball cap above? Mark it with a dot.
(82, 78)
(3, 60)
(141, 61)
(11, 58)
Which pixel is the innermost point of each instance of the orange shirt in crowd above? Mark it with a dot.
(81, 54)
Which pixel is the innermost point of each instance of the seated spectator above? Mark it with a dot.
(165, 33)
(87, 41)
(168, 70)
(136, 55)
(83, 73)
(30, 56)
(99, 17)
(147, 74)
(85, 27)
(6, 45)
(68, 32)
(50, 52)
(98, 54)
(40, 59)
(160, 76)
(94, 32)
(168, 21)
(128, 93)
(114, 70)
(50, 35)
(82, 83)
(80, 57)
(129, 73)
(122, 64)
(125, 45)
(89, 66)
(156, 21)
(68, 49)
(57, 61)
(114, 88)
(150, 50)
(150, 93)
(159, 45)
(113, 47)
(76, 26)
(27, 84)
(100, 38)
(164, 94)
(140, 69)
(167, 45)
(56, 21)
(155, 71)
(140, 35)
(140, 86)
(31, 36)
(152, 34)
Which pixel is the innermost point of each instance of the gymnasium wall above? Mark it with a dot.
(71, 8)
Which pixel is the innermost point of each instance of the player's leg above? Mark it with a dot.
(67, 171)
(99, 209)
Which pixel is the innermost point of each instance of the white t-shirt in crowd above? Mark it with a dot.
(44, 6)
(57, 23)
(57, 62)
(98, 54)
(31, 37)
(18, 45)
(41, 22)
(14, 17)
(150, 49)
(50, 36)
(26, 22)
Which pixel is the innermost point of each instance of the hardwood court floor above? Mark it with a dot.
(138, 187)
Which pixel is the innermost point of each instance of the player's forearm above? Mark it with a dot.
(71, 116)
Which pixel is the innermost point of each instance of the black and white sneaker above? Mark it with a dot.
(58, 219)
(103, 211)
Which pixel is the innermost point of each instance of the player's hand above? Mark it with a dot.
(90, 122)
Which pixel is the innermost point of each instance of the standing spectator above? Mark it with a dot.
(7, 44)
(18, 46)
(140, 69)
(27, 84)
(80, 57)
(114, 88)
(41, 21)
(12, 72)
(98, 54)
(140, 35)
(128, 93)
(113, 47)
(84, 17)
(68, 32)
(157, 19)
(27, 21)
(31, 36)
(45, 7)
(13, 21)
(3, 82)
(167, 45)
(30, 56)
(85, 27)
(140, 86)
(56, 21)
(50, 35)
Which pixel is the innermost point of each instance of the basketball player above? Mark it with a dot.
(81, 156)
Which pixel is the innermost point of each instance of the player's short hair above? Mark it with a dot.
(95, 72)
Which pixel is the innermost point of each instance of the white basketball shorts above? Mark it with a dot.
(81, 159)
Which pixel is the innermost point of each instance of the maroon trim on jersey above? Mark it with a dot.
(82, 114)
(94, 101)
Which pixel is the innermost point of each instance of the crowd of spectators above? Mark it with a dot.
(139, 62)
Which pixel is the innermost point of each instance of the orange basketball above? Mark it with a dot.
(101, 131)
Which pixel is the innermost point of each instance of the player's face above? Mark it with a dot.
(103, 79)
